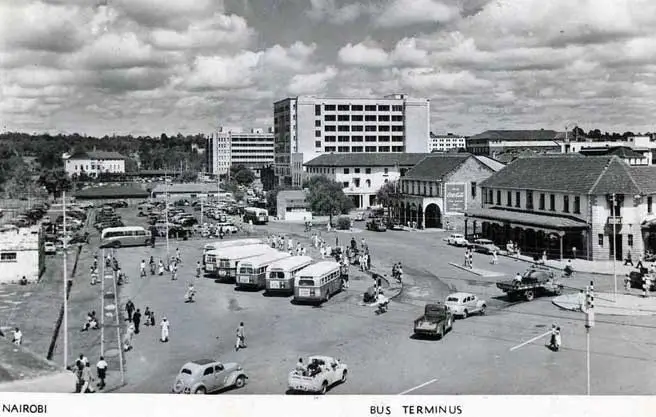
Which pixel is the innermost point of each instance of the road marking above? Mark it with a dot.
(419, 386)
(530, 341)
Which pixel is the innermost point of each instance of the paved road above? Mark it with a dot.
(477, 357)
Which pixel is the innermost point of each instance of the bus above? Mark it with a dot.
(223, 244)
(257, 215)
(225, 266)
(115, 237)
(318, 282)
(251, 272)
(281, 274)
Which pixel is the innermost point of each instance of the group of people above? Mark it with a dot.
(91, 323)
(85, 377)
(469, 258)
(18, 336)
(397, 272)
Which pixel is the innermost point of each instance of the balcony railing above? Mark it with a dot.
(616, 220)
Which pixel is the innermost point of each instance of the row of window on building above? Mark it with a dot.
(360, 128)
(110, 167)
(357, 149)
(359, 118)
(355, 107)
(528, 203)
(8, 257)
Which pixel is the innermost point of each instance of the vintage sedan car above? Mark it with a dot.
(227, 227)
(463, 304)
(49, 248)
(206, 375)
(359, 217)
(457, 239)
(485, 246)
(322, 373)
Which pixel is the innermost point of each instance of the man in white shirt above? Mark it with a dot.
(18, 336)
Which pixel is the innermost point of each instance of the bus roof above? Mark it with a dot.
(243, 252)
(320, 268)
(291, 262)
(220, 244)
(122, 229)
(265, 258)
(254, 209)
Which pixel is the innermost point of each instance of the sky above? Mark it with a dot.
(146, 67)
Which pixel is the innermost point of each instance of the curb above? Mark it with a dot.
(474, 272)
(399, 289)
(557, 268)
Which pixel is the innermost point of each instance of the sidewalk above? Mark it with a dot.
(625, 305)
(477, 271)
(581, 265)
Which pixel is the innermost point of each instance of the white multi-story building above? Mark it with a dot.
(232, 146)
(93, 163)
(363, 174)
(642, 145)
(443, 143)
(21, 254)
(306, 127)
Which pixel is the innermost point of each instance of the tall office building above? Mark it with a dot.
(232, 146)
(305, 127)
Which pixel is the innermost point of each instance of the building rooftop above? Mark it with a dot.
(574, 174)
(97, 155)
(519, 135)
(621, 151)
(436, 166)
(292, 194)
(366, 159)
(108, 191)
(17, 239)
(186, 188)
(491, 163)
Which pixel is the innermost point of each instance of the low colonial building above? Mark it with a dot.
(595, 207)
(496, 142)
(291, 205)
(186, 190)
(93, 163)
(438, 190)
(363, 174)
(445, 143)
(21, 254)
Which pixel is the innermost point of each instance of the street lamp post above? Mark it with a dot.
(166, 202)
(614, 248)
(65, 247)
(102, 305)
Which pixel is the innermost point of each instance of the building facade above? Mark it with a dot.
(180, 191)
(363, 174)
(643, 145)
(21, 254)
(495, 142)
(595, 208)
(232, 146)
(439, 189)
(93, 163)
(291, 205)
(444, 143)
(310, 126)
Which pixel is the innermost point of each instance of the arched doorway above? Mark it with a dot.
(413, 212)
(433, 216)
(402, 219)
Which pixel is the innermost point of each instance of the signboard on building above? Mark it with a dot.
(455, 198)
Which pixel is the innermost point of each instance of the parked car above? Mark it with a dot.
(376, 225)
(227, 228)
(49, 248)
(206, 375)
(323, 372)
(359, 217)
(463, 304)
(457, 239)
(485, 246)
(80, 238)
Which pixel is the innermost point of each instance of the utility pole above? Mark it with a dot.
(166, 184)
(65, 247)
(614, 209)
(589, 323)
(102, 305)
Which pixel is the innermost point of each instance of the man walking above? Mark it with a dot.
(142, 269)
(198, 269)
(18, 337)
(241, 337)
(129, 308)
(136, 319)
(164, 337)
(101, 368)
(87, 379)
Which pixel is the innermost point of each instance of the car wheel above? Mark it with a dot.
(465, 313)
(441, 333)
(200, 391)
(529, 295)
(344, 376)
(328, 296)
(240, 381)
(324, 387)
(483, 308)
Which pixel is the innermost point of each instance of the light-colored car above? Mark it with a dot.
(322, 373)
(49, 248)
(485, 246)
(457, 239)
(227, 227)
(463, 304)
(206, 375)
(359, 217)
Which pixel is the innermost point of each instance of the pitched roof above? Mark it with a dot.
(436, 166)
(366, 159)
(112, 192)
(97, 155)
(491, 163)
(645, 177)
(207, 188)
(516, 135)
(621, 151)
(575, 174)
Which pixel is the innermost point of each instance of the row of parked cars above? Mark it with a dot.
(478, 245)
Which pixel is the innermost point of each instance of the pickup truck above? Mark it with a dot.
(322, 372)
(436, 321)
(535, 281)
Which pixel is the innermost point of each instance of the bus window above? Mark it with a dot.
(306, 282)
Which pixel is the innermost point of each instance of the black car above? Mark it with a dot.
(80, 238)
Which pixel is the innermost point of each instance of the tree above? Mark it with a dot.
(188, 176)
(242, 175)
(389, 194)
(55, 181)
(19, 180)
(326, 197)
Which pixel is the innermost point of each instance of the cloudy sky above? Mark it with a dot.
(151, 66)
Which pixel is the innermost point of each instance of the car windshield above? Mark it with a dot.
(453, 299)
(185, 371)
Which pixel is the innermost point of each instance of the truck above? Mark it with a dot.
(376, 225)
(437, 320)
(535, 282)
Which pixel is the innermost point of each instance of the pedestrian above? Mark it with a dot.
(147, 314)
(471, 259)
(18, 337)
(639, 265)
(290, 244)
(322, 251)
(466, 258)
(646, 285)
(136, 319)
(368, 261)
(160, 271)
(142, 269)
(178, 259)
(495, 259)
(174, 271)
(628, 260)
(151, 263)
(558, 339)
(581, 301)
(129, 308)
(87, 379)
(127, 339)
(101, 368)
(627, 282)
(199, 269)
(164, 325)
(241, 337)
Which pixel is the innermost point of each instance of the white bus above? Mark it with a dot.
(318, 282)
(115, 237)
(257, 215)
(281, 274)
(227, 259)
(251, 272)
(223, 244)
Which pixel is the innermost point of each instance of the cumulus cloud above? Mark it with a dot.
(360, 54)
(410, 12)
(329, 11)
(293, 58)
(311, 83)
(220, 72)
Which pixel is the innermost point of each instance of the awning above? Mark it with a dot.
(523, 219)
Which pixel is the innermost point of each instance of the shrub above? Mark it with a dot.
(343, 223)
